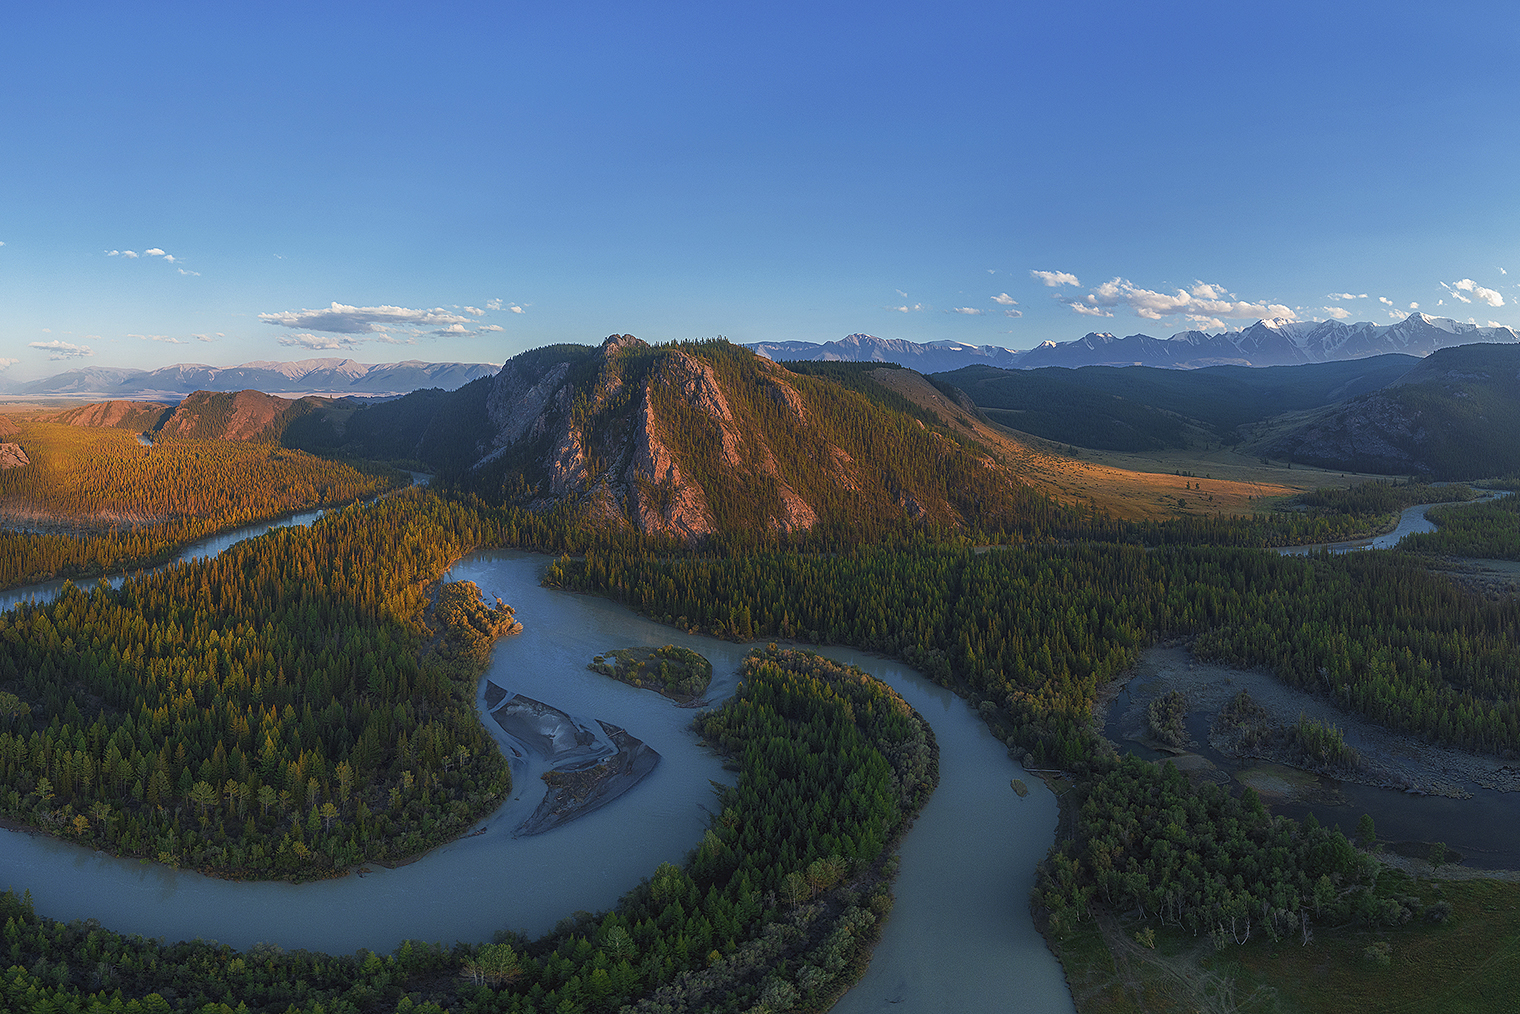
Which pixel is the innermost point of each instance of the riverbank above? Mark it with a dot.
(590, 762)
(1396, 760)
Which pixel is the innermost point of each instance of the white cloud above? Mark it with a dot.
(1501, 270)
(1205, 321)
(1013, 313)
(320, 342)
(152, 251)
(1089, 311)
(1337, 312)
(1346, 295)
(1004, 299)
(1494, 323)
(1152, 305)
(1396, 315)
(493, 304)
(905, 309)
(1414, 306)
(1055, 278)
(970, 311)
(203, 338)
(490, 327)
(516, 309)
(6, 364)
(1203, 290)
(1385, 301)
(1488, 296)
(341, 319)
(900, 293)
(453, 329)
(473, 312)
(157, 338)
(63, 350)
(1440, 302)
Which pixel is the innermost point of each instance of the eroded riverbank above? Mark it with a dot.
(1469, 801)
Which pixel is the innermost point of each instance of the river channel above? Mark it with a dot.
(1412, 520)
(1480, 827)
(960, 937)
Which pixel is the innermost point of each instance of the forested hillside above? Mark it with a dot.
(1136, 408)
(1452, 417)
(96, 499)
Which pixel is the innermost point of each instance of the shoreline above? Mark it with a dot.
(1392, 756)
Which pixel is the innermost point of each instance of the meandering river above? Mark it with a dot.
(1411, 521)
(959, 938)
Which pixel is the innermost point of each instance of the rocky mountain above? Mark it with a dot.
(685, 441)
(1453, 416)
(697, 438)
(1266, 343)
(337, 377)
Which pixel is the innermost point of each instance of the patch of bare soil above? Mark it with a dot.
(12, 456)
(1138, 967)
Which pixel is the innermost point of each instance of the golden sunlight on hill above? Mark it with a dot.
(1130, 486)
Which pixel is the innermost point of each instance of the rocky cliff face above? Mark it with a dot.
(687, 441)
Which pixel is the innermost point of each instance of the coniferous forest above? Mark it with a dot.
(304, 702)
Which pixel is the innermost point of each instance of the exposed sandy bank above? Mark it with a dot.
(591, 763)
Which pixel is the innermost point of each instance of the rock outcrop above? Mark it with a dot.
(691, 439)
(12, 456)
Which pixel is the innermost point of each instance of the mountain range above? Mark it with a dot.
(1275, 342)
(337, 377)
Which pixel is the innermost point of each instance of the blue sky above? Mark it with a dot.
(459, 182)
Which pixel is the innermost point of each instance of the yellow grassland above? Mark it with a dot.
(1130, 486)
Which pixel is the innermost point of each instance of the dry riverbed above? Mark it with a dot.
(1393, 760)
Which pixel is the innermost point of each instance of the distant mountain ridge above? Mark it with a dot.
(925, 357)
(306, 376)
(1454, 416)
(1275, 342)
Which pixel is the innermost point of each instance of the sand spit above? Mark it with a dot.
(590, 763)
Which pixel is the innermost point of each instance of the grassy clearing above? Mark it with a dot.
(1468, 963)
